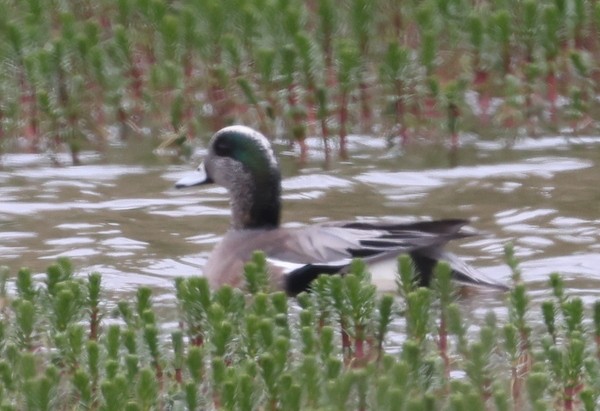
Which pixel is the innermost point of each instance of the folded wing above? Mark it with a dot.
(307, 252)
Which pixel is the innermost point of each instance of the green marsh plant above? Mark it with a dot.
(79, 74)
(340, 346)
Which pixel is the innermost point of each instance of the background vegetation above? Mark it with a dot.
(85, 71)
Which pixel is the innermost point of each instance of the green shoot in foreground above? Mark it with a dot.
(254, 349)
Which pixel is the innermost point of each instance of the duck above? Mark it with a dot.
(241, 160)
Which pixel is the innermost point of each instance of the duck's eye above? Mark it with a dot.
(222, 148)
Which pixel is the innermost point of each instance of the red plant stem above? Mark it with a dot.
(487, 389)
(343, 115)
(190, 129)
(366, 114)
(479, 82)
(159, 373)
(136, 82)
(571, 392)
(359, 345)
(397, 22)
(299, 133)
(346, 346)
(100, 115)
(322, 321)
(431, 110)
(311, 109)
(551, 85)
(506, 58)
(325, 135)
(136, 86)
(524, 347)
(529, 110)
(64, 101)
(379, 348)
(328, 52)
(2, 133)
(453, 114)
(292, 99)
(198, 340)
(521, 368)
(403, 129)
(222, 110)
(443, 347)
(135, 74)
(400, 114)
(188, 114)
(568, 399)
(188, 65)
(122, 120)
(529, 95)
(94, 322)
(516, 388)
(28, 101)
(105, 21)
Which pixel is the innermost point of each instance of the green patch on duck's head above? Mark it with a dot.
(247, 146)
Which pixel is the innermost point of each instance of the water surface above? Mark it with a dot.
(119, 214)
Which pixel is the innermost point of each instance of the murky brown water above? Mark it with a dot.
(120, 215)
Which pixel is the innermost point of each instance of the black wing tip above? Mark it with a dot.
(482, 283)
(425, 267)
(444, 226)
(300, 279)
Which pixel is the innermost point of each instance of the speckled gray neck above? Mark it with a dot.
(255, 200)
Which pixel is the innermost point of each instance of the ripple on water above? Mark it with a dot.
(403, 179)
(124, 243)
(8, 248)
(117, 280)
(544, 167)
(513, 216)
(554, 142)
(74, 253)
(69, 183)
(16, 235)
(171, 268)
(312, 181)
(90, 172)
(535, 241)
(77, 226)
(31, 208)
(304, 195)
(208, 238)
(577, 267)
(16, 160)
(70, 241)
(527, 222)
(191, 211)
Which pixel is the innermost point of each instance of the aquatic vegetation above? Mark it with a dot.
(63, 347)
(77, 74)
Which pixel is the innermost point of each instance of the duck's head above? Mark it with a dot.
(241, 160)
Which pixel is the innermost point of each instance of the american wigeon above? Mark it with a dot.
(241, 160)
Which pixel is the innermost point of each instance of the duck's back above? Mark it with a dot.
(287, 249)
